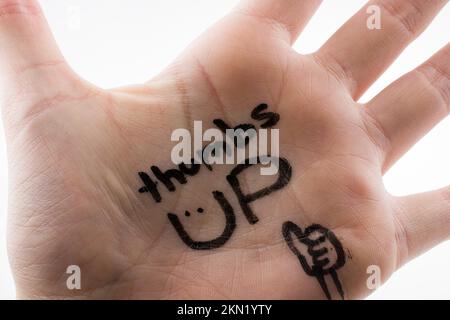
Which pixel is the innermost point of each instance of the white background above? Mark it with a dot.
(117, 42)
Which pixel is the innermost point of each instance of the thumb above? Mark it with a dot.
(32, 68)
(25, 37)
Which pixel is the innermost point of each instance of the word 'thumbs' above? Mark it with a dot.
(250, 144)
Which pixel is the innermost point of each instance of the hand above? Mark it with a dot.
(80, 161)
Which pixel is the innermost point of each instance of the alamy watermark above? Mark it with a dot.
(373, 282)
(73, 282)
(234, 146)
(374, 20)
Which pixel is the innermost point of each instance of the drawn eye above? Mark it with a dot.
(188, 214)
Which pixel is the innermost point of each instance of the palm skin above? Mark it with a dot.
(75, 151)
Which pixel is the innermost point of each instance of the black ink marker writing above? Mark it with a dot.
(190, 170)
(230, 225)
(167, 176)
(319, 241)
(272, 117)
(284, 176)
(223, 126)
(184, 170)
(149, 186)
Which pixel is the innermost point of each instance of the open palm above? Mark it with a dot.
(81, 157)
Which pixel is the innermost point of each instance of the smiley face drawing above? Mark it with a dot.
(284, 175)
(230, 225)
